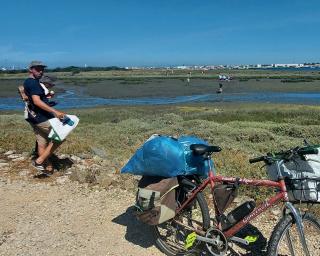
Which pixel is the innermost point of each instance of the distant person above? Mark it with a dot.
(39, 112)
(188, 81)
(47, 82)
(219, 89)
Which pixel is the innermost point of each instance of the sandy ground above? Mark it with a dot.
(57, 216)
(65, 218)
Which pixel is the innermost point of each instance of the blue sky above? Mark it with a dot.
(155, 33)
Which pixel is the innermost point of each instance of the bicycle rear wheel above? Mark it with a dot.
(170, 236)
(285, 239)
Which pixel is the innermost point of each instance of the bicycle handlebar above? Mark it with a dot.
(285, 155)
(308, 151)
(257, 159)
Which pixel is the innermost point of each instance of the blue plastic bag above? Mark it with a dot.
(167, 157)
(195, 164)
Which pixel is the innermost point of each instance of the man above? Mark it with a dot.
(38, 115)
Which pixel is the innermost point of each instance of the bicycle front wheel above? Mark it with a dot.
(171, 236)
(285, 238)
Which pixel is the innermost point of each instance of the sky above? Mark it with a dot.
(159, 33)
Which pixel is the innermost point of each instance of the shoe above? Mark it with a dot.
(39, 167)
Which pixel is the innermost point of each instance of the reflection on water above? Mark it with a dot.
(72, 99)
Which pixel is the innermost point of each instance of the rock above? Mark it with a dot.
(99, 152)
(10, 152)
(25, 154)
(21, 158)
(13, 156)
(68, 172)
(104, 180)
(79, 175)
(80, 167)
(2, 161)
(24, 173)
(75, 158)
(3, 165)
(63, 156)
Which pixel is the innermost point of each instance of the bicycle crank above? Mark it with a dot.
(215, 241)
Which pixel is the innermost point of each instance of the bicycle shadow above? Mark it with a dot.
(257, 248)
(137, 232)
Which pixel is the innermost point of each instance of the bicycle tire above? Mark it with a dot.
(177, 247)
(278, 246)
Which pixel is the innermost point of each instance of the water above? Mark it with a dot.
(71, 99)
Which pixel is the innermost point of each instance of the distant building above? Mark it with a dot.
(288, 65)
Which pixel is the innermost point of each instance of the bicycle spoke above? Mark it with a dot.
(290, 244)
(288, 236)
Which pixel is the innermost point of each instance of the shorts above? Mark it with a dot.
(42, 131)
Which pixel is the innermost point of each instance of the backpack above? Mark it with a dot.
(156, 199)
(27, 107)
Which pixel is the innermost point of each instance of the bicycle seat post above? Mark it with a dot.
(211, 172)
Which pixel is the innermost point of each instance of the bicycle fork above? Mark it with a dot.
(298, 219)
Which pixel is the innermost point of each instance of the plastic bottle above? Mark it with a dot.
(67, 120)
(238, 214)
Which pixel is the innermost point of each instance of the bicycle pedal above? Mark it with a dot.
(191, 238)
(251, 239)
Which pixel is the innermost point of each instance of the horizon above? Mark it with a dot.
(159, 34)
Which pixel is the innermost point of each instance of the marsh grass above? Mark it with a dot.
(243, 131)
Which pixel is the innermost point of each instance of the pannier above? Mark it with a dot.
(302, 177)
(166, 156)
(156, 199)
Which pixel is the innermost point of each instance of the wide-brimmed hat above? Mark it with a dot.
(48, 80)
(37, 63)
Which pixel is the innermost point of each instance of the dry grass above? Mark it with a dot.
(243, 131)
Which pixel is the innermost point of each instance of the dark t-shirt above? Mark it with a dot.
(33, 87)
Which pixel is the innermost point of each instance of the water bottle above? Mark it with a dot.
(66, 120)
(238, 214)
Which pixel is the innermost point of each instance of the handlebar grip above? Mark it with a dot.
(308, 151)
(257, 159)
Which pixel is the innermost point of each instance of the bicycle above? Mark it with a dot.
(193, 232)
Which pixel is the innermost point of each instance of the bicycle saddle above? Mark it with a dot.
(201, 149)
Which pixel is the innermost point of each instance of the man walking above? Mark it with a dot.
(39, 112)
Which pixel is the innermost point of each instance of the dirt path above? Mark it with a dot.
(65, 218)
(57, 216)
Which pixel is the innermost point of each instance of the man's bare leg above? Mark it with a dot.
(41, 149)
(45, 152)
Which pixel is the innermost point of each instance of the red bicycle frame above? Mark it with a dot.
(212, 179)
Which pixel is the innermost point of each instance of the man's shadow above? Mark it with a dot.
(137, 233)
(60, 164)
(57, 163)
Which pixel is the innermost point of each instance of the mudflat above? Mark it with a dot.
(113, 88)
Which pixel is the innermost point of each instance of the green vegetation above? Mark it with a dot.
(243, 131)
